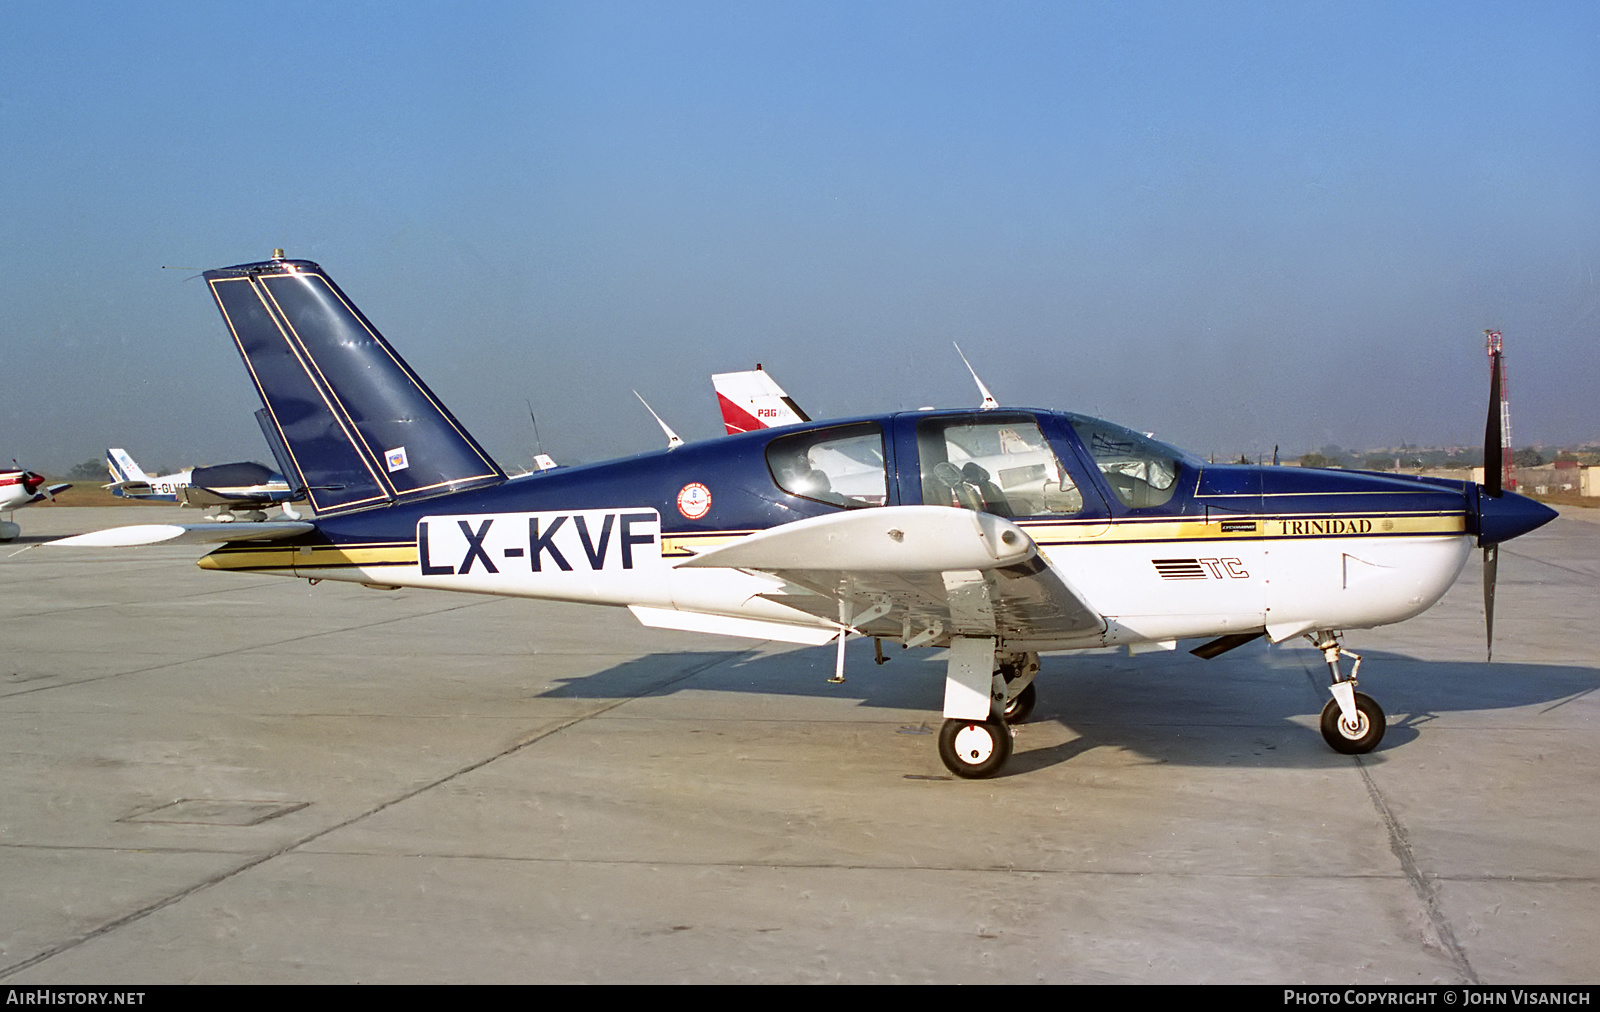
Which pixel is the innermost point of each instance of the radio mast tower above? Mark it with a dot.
(1495, 348)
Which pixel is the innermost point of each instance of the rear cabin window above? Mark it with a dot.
(994, 465)
(841, 466)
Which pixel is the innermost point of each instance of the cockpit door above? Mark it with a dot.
(1013, 464)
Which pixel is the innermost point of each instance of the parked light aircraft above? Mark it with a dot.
(243, 485)
(996, 533)
(753, 400)
(20, 488)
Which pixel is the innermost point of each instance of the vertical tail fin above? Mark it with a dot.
(754, 400)
(358, 428)
(123, 467)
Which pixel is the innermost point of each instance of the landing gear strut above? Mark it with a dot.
(1014, 691)
(984, 694)
(1352, 722)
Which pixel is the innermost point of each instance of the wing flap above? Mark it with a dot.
(1013, 603)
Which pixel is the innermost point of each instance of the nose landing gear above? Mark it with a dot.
(1352, 722)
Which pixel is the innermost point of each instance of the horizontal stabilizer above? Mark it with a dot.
(184, 534)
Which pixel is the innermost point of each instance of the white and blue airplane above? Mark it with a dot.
(996, 533)
(243, 485)
(19, 488)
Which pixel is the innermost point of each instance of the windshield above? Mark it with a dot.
(1141, 471)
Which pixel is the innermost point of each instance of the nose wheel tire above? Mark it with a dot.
(974, 749)
(1359, 738)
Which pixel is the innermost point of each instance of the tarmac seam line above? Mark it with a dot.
(1400, 846)
(185, 893)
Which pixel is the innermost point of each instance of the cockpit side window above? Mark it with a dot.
(1000, 465)
(1141, 471)
(842, 466)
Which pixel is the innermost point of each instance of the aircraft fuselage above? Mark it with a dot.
(1231, 548)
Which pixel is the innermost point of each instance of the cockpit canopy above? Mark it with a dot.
(1009, 463)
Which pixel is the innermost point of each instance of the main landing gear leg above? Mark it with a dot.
(1014, 692)
(974, 741)
(1352, 722)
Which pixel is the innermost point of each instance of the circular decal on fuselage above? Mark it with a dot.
(694, 501)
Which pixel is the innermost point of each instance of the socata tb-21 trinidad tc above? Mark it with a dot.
(995, 533)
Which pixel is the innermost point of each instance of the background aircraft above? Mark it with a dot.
(20, 488)
(997, 533)
(753, 400)
(243, 485)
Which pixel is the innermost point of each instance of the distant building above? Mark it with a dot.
(1562, 476)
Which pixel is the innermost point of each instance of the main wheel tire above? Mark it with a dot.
(974, 749)
(1359, 739)
(1021, 705)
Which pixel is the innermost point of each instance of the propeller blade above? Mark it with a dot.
(1493, 460)
(1491, 564)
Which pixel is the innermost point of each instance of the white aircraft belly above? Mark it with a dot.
(599, 561)
(1212, 588)
(1145, 591)
(1357, 583)
(1200, 588)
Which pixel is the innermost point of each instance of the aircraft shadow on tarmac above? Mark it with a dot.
(1256, 707)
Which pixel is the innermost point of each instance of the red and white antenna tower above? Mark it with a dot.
(1495, 347)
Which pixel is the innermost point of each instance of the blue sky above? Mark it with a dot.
(1235, 225)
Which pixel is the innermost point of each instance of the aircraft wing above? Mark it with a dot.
(921, 572)
(184, 534)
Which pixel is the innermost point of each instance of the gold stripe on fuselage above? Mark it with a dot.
(255, 556)
(249, 556)
(683, 546)
(1245, 527)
